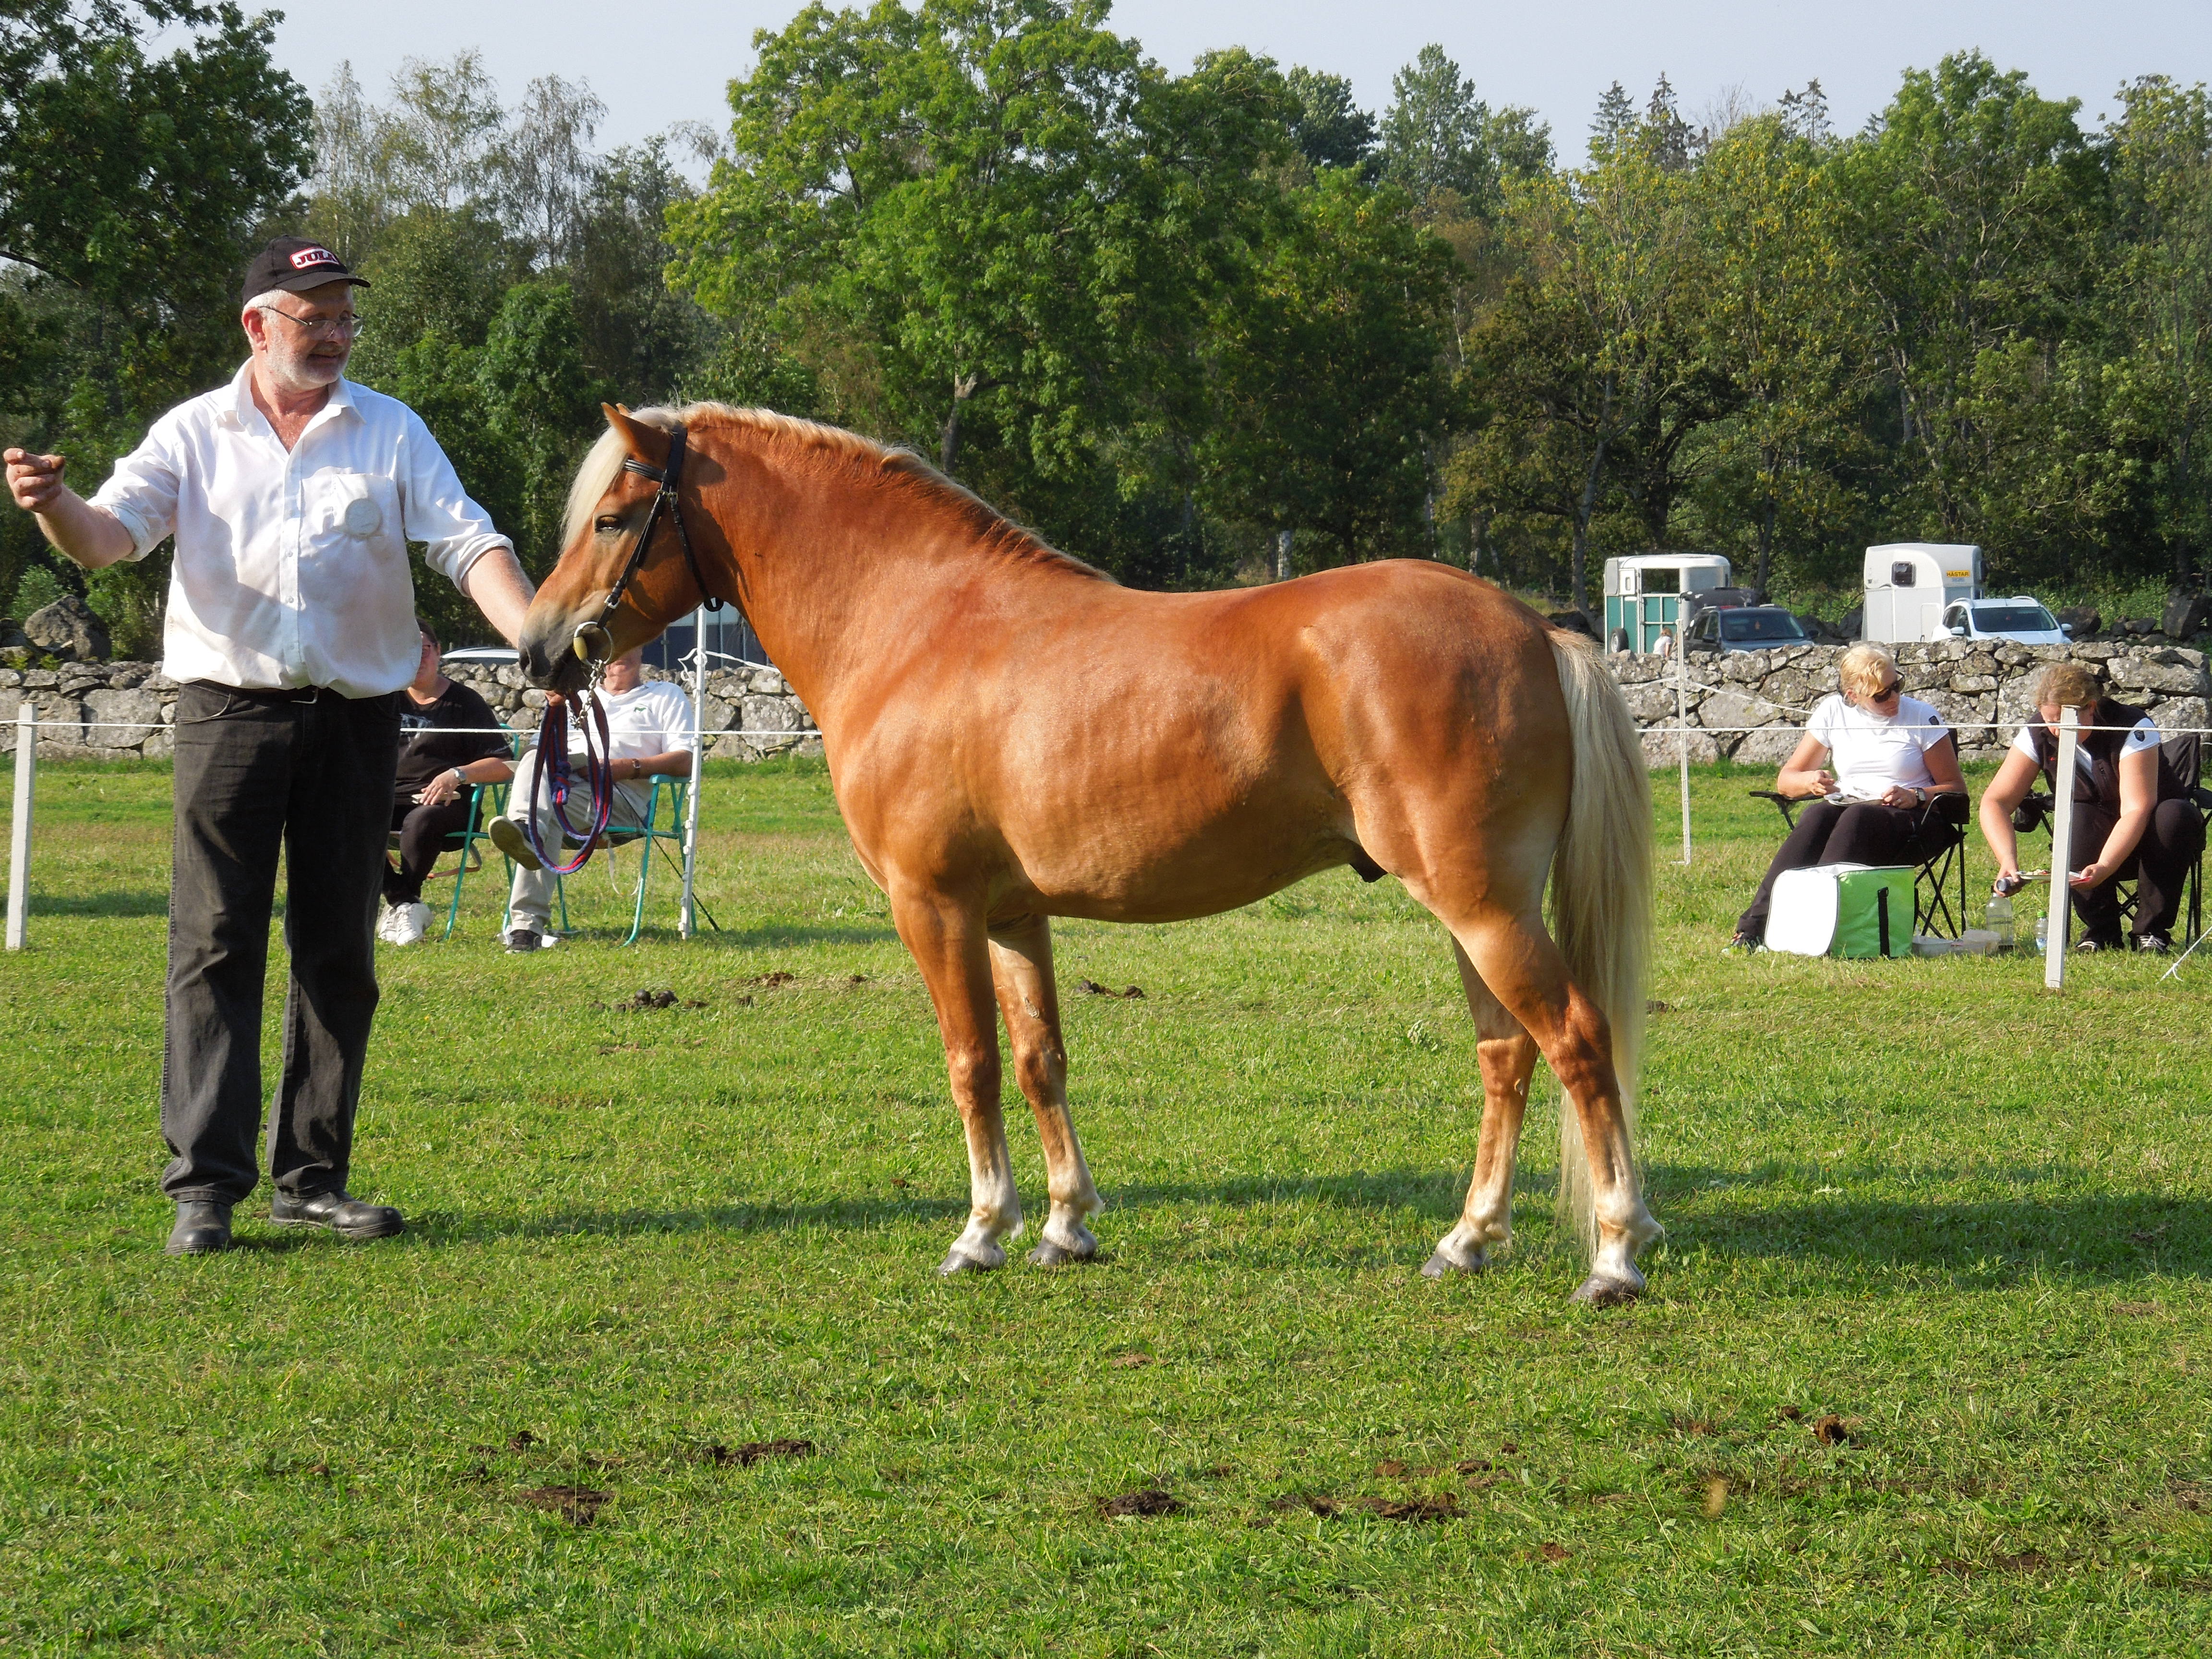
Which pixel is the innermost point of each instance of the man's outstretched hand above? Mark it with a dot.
(35, 481)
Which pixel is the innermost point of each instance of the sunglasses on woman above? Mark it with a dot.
(1888, 691)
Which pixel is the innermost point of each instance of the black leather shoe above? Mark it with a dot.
(203, 1228)
(348, 1218)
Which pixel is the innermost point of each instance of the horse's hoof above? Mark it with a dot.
(1608, 1292)
(957, 1262)
(1050, 1254)
(1441, 1265)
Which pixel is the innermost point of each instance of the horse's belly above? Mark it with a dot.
(1138, 871)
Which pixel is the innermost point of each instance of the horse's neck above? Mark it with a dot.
(837, 576)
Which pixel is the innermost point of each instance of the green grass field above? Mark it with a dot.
(1965, 1218)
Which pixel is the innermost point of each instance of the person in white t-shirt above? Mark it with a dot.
(1871, 761)
(650, 730)
(2131, 816)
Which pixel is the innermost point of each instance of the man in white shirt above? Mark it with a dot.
(651, 727)
(292, 495)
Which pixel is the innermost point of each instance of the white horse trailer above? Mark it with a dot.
(1644, 595)
(1908, 584)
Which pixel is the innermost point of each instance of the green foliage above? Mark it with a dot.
(1329, 129)
(1327, 386)
(132, 180)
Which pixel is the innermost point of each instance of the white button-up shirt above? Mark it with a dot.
(291, 567)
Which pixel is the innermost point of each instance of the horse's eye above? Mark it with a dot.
(606, 522)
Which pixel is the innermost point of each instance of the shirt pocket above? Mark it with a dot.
(353, 515)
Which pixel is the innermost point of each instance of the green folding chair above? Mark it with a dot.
(663, 822)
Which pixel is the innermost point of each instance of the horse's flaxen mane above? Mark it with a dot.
(861, 459)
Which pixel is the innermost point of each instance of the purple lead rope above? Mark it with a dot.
(558, 775)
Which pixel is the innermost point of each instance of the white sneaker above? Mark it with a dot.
(410, 923)
(387, 919)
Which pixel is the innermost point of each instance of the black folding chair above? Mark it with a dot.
(2180, 772)
(1942, 820)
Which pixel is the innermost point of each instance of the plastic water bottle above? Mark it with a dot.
(2042, 933)
(1998, 918)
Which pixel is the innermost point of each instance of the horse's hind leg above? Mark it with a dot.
(1028, 1000)
(1507, 1056)
(950, 947)
(1518, 960)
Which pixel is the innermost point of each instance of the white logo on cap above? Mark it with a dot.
(308, 257)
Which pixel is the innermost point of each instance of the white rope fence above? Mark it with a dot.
(28, 725)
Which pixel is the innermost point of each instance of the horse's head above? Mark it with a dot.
(569, 627)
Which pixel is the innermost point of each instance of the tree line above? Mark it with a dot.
(1196, 328)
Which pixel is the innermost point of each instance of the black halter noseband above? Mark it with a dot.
(669, 478)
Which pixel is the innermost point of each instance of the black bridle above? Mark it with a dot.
(670, 477)
(555, 776)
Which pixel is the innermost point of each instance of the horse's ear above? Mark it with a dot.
(633, 435)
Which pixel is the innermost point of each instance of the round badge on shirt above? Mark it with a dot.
(363, 517)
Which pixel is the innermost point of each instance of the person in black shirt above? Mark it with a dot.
(448, 745)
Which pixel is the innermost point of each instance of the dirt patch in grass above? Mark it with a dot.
(754, 1451)
(1832, 1431)
(1091, 988)
(1148, 1500)
(1440, 1506)
(644, 1000)
(578, 1506)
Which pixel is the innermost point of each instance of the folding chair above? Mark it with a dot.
(486, 802)
(2180, 772)
(1944, 818)
(656, 826)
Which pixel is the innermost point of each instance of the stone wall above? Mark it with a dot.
(118, 710)
(1772, 692)
(1750, 705)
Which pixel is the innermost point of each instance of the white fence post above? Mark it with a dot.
(1682, 735)
(19, 839)
(2062, 853)
(685, 923)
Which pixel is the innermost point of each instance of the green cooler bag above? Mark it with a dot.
(1843, 910)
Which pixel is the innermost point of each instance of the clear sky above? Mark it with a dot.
(658, 62)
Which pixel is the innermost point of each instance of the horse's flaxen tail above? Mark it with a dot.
(1600, 910)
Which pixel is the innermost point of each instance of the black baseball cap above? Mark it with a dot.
(295, 265)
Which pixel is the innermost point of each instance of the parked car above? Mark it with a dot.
(2021, 619)
(1746, 627)
(499, 656)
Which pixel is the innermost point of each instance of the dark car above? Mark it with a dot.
(1746, 627)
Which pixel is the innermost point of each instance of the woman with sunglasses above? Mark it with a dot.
(2133, 815)
(1873, 758)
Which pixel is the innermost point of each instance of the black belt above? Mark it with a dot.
(272, 694)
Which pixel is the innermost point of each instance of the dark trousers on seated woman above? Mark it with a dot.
(1865, 832)
(2159, 867)
(422, 835)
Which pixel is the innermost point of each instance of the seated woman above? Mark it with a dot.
(450, 743)
(1876, 757)
(2135, 818)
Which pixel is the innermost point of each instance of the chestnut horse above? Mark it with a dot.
(1013, 736)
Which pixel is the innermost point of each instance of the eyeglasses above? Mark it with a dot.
(321, 328)
(1887, 691)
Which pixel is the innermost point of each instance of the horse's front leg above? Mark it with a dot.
(950, 947)
(1028, 1000)
(1507, 1056)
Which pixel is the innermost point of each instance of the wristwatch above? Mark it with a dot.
(460, 777)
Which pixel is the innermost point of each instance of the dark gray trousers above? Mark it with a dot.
(258, 773)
